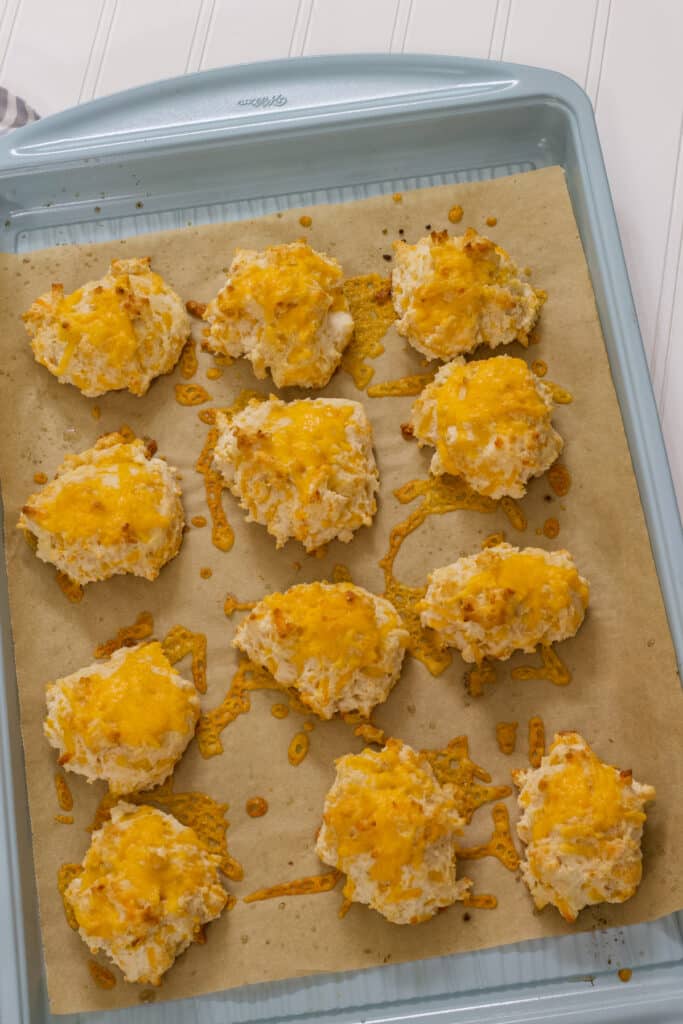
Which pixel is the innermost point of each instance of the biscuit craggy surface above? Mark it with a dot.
(146, 887)
(490, 422)
(285, 310)
(126, 720)
(582, 823)
(305, 470)
(453, 294)
(503, 600)
(391, 828)
(112, 509)
(338, 645)
(113, 334)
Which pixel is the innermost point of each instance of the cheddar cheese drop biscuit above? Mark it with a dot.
(113, 334)
(147, 886)
(126, 720)
(304, 470)
(490, 422)
(114, 508)
(391, 828)
(284, 309)
(452, 294)
(503, 600)
(582, 823)
(338, 645)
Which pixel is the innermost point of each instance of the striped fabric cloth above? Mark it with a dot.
(14, 112)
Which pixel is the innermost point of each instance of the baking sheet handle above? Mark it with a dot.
(269, 96)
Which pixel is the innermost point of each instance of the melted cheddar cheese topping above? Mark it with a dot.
(103, 320)
(460, 284)
(115, 333)
(518, 584)
(141, 871)
(295, 287)
(336, 626)
(119, 497)
(382, 814)
(582, 799)
(493, 395)
(302, 440)
(136, 705)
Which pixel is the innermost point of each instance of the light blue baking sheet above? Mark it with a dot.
(245, 141)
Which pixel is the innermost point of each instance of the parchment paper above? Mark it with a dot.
(624, 697)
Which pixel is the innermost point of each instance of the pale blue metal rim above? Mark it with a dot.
(127, 145)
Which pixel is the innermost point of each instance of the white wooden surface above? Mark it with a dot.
(625, 53)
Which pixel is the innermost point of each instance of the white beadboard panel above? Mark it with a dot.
(401, 21)
(248, 30)
(345, 26)
(130, 60)
(551, 33)
(48, 51)
(8, 15)
(500, 29)
(199, 35)
(672, 398)
(300, 28)
(639, 108)
(98, 49)
(670, 292)
(451, 26)
(594, 69)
